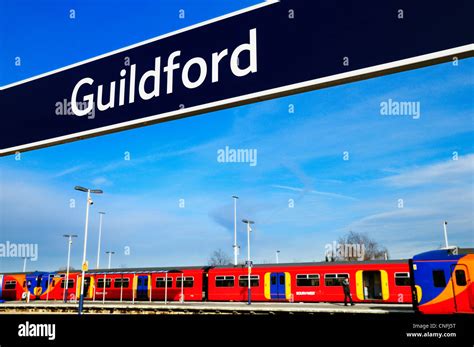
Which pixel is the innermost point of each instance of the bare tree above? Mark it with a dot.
(371, 249)
(219, 257)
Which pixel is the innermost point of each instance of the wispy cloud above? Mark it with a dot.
(101, 181)
(158, 154)
(70, 170)
(447, 172)
(312, 191)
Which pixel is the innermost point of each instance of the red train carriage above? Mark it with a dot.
(370, 281)
(144, 284)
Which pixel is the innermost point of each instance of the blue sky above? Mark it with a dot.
(300, 157)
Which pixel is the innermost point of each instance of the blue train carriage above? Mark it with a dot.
(442, 281)
(39, 283)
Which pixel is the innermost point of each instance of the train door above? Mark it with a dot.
(33, 283)
(142, 288)
(38, 290)
(462, 296)
(87, 285)
(277, 286)
(45, 283)
(372, 285)
(205, 284)
(372, 282)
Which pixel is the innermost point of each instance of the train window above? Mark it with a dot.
(225, 281)
(160, 282)
(402, 278)
(70, 283)
(121, 283)
(10, 284)
(244, 281)
(439, 280)
(460, 278)
(332, 280)
(100, 283)
(188, 282)
(310, 280)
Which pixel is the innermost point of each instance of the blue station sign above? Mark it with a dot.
(273, 49)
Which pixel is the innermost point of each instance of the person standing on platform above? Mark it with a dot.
(347, 291)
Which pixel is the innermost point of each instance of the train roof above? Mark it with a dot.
(36, 272)
(178, 269)
(450, 253)
(230, 266)
(321, 263)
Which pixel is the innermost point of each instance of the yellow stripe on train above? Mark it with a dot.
(266, 284)
(287, 285)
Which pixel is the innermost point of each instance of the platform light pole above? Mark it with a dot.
(445, 225)
(100, 237)
(105, 275)
(84, 264)
(24, 263)
(235, 246)
(66, 285)
(249, 229)
(277, 253)
(110, 257)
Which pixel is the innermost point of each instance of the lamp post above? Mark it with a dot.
(100, 236)
(235, 246)
(84, 264)
(249, 229)
(110, 256)
(105, 275)
(445, 224)
(24, 263)
(277, 253)
(66, 285)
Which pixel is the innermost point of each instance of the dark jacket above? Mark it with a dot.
(345, 285)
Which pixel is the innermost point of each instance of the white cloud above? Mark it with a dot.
(101, 181)
(447, 172)
(70, 170)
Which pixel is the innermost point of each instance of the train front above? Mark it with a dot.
(442, 281)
